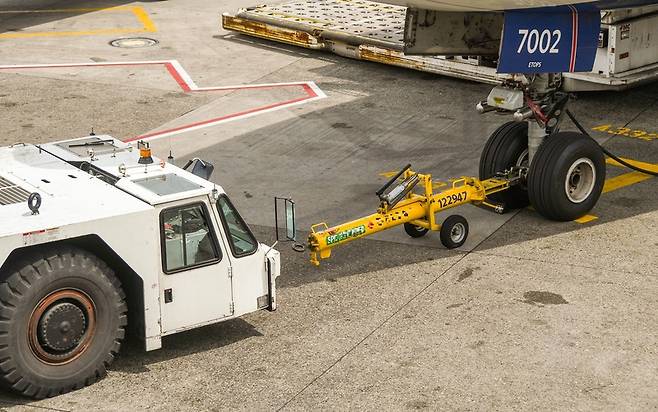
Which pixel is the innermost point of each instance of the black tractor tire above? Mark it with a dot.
(62, 320)
(507, 146)
(566, 176)
(415, 231)
(454, 231)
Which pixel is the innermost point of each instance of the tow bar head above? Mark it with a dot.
(414, 210)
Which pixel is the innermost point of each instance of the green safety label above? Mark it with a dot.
(346, 234)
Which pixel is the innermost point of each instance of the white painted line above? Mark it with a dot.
(185, 81)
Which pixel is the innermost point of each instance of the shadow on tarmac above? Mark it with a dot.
(401, 116)
(133, 359)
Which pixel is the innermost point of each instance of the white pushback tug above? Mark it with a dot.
(97, 234)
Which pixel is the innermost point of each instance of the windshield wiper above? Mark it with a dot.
(95, 143)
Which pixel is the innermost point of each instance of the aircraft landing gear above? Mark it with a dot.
(566, 176)
(563, 172)
(507, 147)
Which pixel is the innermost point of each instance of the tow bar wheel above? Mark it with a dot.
(566, 176)
(415, 231)
(454, 231)
(64, 317)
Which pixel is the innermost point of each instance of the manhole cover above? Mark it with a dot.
(133, 42)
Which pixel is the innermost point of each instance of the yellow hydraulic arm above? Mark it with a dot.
(401, 205)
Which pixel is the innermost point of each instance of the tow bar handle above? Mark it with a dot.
(390, 182)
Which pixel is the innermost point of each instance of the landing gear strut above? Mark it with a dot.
(563, 172)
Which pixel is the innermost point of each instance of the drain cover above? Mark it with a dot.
(133, 42)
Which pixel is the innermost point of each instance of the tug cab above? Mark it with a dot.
(99, 235)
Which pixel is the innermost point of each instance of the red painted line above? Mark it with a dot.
(170, 68)
(574, 38)
(180, 80)
(36, 232)
(309, 90)
(174, 73)
(50, 66)
(247, 87)
(218, 119)
(310, 93)
(576, 28)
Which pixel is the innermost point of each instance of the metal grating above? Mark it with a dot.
(372, 20)
(11, 193)
(358, 29)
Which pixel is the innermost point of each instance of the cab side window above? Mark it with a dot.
(187, 239)
(241, 240)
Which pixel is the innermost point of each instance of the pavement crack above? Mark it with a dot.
(641, 112)
(391, 316)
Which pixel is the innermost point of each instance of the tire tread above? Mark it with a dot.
(25, 273)
(542, 175)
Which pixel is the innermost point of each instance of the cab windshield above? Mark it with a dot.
(241, 240)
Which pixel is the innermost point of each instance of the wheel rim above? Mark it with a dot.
(580, 180)
(457, 233)
(523, 159)
(61, 326)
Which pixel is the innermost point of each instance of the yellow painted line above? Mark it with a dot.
(67, 33)
(624, 180)
(388, 174)
(76, 10)
(643, 165)
(142, 16)
(586, 219)
(628, 179)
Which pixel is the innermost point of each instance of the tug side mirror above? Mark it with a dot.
(201, 168)
(284, 209)
(290, 220)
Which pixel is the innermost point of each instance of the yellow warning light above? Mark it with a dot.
(144, 153)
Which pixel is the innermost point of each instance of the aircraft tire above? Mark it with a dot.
(63, 319)
(507, 146)
(566, 176)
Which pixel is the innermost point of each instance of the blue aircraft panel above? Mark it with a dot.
(550, 39)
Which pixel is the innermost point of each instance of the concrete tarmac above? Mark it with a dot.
(528, 314)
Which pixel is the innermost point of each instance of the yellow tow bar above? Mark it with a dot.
(401, 206)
